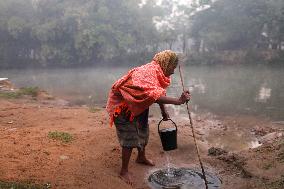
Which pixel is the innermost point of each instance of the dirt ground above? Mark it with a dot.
(92, 159)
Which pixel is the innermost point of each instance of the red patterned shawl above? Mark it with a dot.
(138, 89)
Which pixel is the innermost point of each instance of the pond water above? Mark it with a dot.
(182, 178)
(252, 90)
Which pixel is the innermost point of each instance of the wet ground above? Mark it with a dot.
(182, 178)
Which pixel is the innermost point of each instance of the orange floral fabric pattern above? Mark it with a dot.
(138, 89)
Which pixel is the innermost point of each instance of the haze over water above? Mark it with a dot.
(251, 90)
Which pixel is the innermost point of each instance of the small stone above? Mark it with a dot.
(63, 157)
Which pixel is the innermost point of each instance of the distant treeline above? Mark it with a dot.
(240, 31)
(48, 33)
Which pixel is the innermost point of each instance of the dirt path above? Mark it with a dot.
(92, 159)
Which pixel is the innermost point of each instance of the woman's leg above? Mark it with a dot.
(126, 154)
(141, 158)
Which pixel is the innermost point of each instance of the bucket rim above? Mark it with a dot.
(159, 131)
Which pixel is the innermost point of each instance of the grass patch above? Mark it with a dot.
(94, 109)
(10, 95)
(62, 136)
(23, 185)
(31, 91)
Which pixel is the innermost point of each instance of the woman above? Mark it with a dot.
(129, 101)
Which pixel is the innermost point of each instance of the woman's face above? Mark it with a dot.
(171, 69)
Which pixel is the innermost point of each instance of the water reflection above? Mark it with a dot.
(219, 89)
(198, 85)
(263, 95)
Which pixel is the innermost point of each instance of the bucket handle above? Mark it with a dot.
(166, 120)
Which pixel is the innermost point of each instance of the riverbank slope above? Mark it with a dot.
(91, 158)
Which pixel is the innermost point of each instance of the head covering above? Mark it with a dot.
(166, 59)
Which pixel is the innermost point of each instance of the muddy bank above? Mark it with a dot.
(92, 158)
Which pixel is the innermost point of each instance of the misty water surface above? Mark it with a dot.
(253, 90)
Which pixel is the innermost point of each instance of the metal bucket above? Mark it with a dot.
(168, 136)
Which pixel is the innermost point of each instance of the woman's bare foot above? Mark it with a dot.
(145, 161)
(126, 176)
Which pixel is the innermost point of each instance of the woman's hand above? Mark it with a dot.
(164, 112)
(185, 97)
(165, 115)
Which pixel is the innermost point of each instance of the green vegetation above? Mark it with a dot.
(70, 32)
(9, 95)
(62, 136)
(254, 27)
(22, 185)
(48, 33)
(31, 91)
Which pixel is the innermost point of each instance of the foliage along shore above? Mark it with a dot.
(66, 33)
